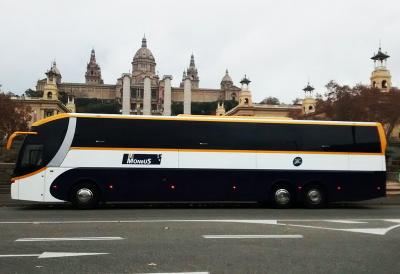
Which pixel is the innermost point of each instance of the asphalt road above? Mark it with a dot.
(204, 239)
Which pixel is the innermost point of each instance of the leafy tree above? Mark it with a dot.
(360, 103)
(270, 101)
(94, 105)
(296, 101)
(63, 97)
(14, 116)
(33, 93)
(202, 108)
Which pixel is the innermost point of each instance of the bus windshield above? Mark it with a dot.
(38, 150)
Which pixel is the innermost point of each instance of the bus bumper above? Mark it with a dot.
(14, 191)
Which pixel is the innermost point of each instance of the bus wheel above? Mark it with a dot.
(85, 196)
(314, 197)
(281, 196)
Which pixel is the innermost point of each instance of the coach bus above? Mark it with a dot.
(86, 159)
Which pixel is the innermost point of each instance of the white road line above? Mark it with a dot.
(177, 273)
(46, 255)
(269, 222)
(69, 239)
(20, 255)
(294, 236)
(247, 221)
(374, 231)
(346, 221)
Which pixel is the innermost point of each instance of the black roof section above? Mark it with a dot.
(245, 80)
(380, 56)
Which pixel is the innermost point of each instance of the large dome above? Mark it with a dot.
(144, 52)
(226, 77)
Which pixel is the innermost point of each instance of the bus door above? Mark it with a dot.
(31, 170)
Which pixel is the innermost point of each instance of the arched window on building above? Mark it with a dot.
(49, 95)
(233, 96)
(384, 84)
(374, 84)
(246, 101)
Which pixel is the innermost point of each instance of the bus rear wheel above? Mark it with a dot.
(281, 196)
(85, 196)
(314, 197)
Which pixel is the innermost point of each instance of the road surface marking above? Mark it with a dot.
(176, 273)
(46, 255)
(248, 221)
(268, 222)
(392, 220)
(346, 221)
(69, 239)
(295, 236)
(374, 231)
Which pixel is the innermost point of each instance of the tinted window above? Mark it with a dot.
(326, 138)
(32, 156)
(245, 136)
(367, 139)
(132, 133)
(126, 133)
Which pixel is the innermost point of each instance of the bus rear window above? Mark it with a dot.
(367, 139)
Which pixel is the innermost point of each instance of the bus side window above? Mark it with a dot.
(33, 156)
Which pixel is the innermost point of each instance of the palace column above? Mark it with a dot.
(167, 95)
(126, 94)
(147, 96)
(187, 96)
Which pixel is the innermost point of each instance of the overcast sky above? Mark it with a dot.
(278, 44)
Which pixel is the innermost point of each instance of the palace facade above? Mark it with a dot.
(143, 65)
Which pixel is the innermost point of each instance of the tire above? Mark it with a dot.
(85, 196)
(281, 196)
(314, 197)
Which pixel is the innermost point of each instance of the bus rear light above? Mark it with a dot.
(234, 187)
(299, 187)
(338, 188)
(172, 187)
(378, 188)
(110, 186)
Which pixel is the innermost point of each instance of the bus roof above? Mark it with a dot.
(209, 118)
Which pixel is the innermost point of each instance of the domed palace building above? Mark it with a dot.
(143, 91)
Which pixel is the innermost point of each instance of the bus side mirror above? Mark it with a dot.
(10, 140)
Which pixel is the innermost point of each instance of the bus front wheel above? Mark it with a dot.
(85, 196)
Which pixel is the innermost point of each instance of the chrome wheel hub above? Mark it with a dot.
(282, 196)
(314, 196)
(84, 195)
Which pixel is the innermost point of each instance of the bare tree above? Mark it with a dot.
(13, 116)
(360, 103)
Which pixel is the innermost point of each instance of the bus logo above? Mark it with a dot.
(297, 161)
(141, 159)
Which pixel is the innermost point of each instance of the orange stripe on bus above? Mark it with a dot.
(204, 118)
(222, 150)
(29, 174)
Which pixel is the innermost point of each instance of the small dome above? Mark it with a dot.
(226, 77)
(144, 52)
(54, 69)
